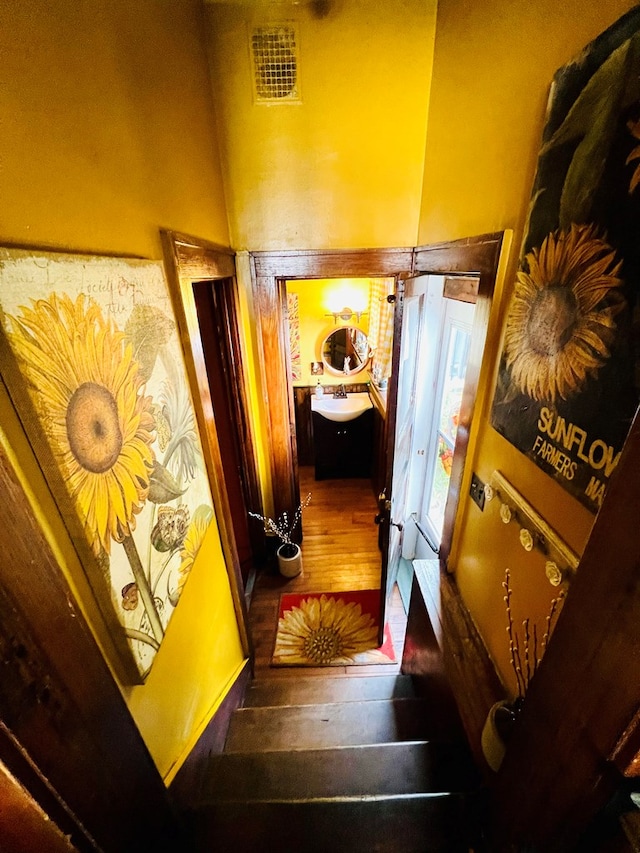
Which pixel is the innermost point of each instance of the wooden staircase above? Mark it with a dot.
(324, 765)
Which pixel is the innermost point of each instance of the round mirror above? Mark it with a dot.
(346, 350)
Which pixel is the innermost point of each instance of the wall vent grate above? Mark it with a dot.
(274, 50)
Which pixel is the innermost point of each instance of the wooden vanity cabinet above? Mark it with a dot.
(342, 449)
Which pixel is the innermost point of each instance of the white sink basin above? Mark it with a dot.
(341, 408)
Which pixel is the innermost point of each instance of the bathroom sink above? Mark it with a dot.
(341, 408)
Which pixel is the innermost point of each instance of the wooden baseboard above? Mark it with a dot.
(469, 670)
(474, 680)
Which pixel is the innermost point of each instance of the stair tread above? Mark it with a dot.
(310, 690)
(371, 770)
(334, 724)
(439, 823)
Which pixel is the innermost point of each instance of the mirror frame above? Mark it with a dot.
(328, 367)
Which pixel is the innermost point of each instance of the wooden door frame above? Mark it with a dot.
(478, 256)
(189, 260)
(269, 272)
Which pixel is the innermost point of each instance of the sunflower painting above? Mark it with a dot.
(94, 343)
(569, 378)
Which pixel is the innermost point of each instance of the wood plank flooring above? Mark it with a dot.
(339, 553)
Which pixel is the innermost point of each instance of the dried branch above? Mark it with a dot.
(528, 647)
(281, 527)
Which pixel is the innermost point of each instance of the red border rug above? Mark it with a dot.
(331, 629)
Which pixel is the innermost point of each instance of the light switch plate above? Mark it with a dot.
(477, 491)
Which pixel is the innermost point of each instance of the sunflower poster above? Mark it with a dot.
(569, 376)
(93, 344)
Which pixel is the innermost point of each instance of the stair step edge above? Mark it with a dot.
(417, 700)
(350, 798)
(307, 680)
(346, 746)
(260, 681)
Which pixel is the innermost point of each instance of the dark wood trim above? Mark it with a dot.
(270, 270)
(470, 672)
(269, 295)
(304, 428)
(475, 256)
(560, 766)
(203, 262)
(24, 826)
(469, 256)
(337, 263)
(444, 650)
(66, 729)
(17, 761)
(187, 784)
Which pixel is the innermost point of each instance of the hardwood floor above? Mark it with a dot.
(339, 552)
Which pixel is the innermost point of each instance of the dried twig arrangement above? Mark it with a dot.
(281, 527)
(525, 656)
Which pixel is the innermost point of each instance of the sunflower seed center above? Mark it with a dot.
(552, 319)
(323, 645)
(93, 428)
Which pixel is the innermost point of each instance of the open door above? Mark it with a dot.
(466, 263)
(401, 395)
(218, 330)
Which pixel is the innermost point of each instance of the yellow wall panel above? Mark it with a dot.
(108, 128)
(342, 168)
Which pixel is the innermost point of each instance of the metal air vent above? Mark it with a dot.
(274, 51)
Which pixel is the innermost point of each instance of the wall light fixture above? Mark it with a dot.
(345, 314)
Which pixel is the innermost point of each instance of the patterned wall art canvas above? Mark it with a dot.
(92, 358)
(569, 377)
(293, 313)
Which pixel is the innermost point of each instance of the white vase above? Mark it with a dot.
(290, 567)
(495, 733)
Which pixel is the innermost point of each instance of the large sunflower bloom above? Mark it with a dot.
(561, 325)
(324, 630)
(85, 386)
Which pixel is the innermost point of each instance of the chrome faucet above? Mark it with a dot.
(340, 392)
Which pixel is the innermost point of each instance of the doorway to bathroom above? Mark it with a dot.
(477, 257)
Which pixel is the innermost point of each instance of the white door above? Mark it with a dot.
(436, 336)
(437, 441)
(408, 375)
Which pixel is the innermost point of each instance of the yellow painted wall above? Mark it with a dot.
(107, 126)
(315, 299)
(108, 134)
(199, 650)
(493, 65)
(343, 168)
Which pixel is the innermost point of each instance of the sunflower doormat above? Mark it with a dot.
(331, 629)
